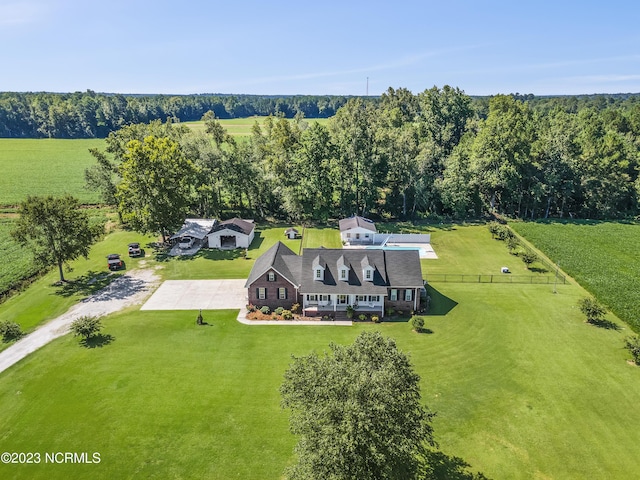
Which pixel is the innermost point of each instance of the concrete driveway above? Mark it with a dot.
(198, 294)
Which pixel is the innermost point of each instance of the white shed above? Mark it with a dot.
(357, 230)
(291, 233)
(230, 234)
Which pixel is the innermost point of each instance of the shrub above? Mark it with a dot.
(350, 311)
(399, 312)
(251, 308)
(279, 310)
(528, 258)
(265, 310)
(295, 308)
(590, 307)
(362, 317)
(633, 345)
(512, 244)
(287, 315)
(86, 326)
(375, 318)
(390, 312)
(10, 331)
(417, 323)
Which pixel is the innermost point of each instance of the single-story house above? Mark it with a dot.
(326, 281)
(356, 230)
(230, 234)
(291, 233)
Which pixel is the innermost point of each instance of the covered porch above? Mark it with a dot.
(337, 305)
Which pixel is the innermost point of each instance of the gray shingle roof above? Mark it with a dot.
(279, 257)
(397, 268)
(235, 224)
(356, 221)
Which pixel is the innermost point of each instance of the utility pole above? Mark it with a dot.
(367, 86)
(555, 283)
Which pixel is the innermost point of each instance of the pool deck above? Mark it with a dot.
(424, 249)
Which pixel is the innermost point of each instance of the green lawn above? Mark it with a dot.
(601, 256)
(45, 167)
(522, 386)
(45, 300)
(321, 237)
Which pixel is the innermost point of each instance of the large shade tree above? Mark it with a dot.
(357, 413)
(56, 230)
(156, 184)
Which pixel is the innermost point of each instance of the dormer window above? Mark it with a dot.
(368, 275)
(271, 277)
(343, 269)
(318, 268)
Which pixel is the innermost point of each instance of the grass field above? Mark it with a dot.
(523, 388)
(241, 127)
(601, 256)
(45, 167)
(17, 261)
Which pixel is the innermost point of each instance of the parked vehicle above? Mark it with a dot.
(186, 242)
(114, 262)
(135, 250)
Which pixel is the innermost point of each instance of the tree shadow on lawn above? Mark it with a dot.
(606, 324)
(97, 341)
(440, 304)
(445, 467)
(87, 284)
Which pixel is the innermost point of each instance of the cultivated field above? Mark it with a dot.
(601, 256)
(17, 261)
(523, 388)
(45, 167)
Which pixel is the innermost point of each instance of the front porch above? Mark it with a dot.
(337, 305)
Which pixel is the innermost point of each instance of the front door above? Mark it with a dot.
(342, 299)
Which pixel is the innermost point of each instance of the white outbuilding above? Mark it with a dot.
(233, 233)
(357, 230)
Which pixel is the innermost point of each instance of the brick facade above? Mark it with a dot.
(401, 304)
(272, 299)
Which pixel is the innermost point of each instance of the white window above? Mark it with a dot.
(367, 274)
(272, 277)
(324, 298)
(282, 293)
(342, 299)
(343, 274)
(394, 295)
(357, 236)
(312, 298)
(408, 295)
(318, 273)
(348, 234)
(374, 298)
(262, 293)
(361, 298)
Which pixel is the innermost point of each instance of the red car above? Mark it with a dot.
(114, 262)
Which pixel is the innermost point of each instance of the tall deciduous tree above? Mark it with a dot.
(55, 229)
(156, 180)
(357, 413)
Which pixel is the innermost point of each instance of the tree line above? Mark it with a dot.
(405, 156)
(92, 115)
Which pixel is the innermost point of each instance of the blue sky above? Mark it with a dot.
(328, 47)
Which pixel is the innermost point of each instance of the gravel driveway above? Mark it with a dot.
(130, 289)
